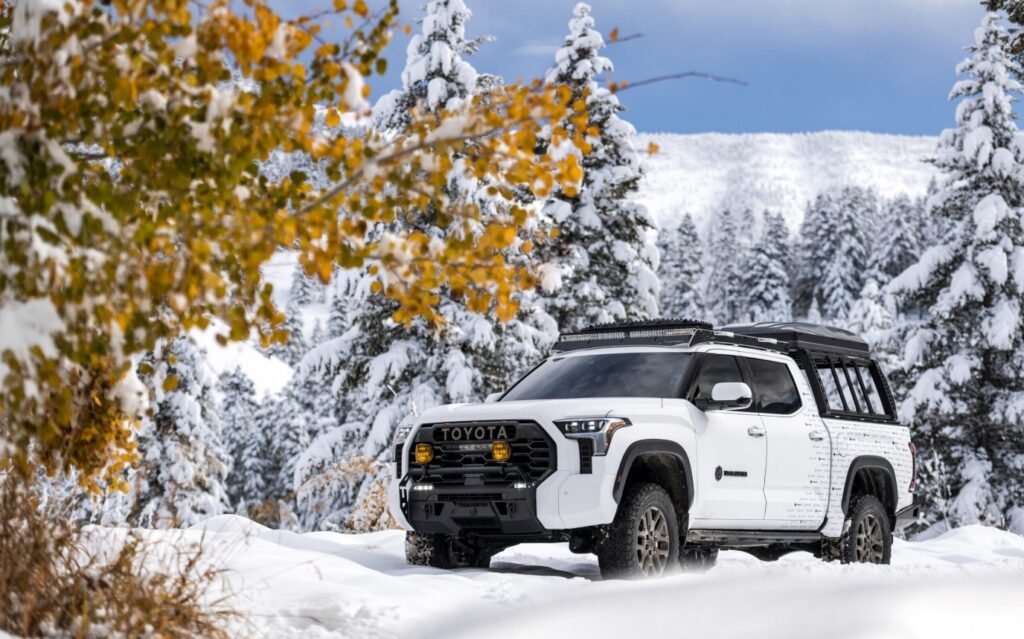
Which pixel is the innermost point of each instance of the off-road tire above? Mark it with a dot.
(866, 536)
(697, 559)
(443, 551)
(643, 540)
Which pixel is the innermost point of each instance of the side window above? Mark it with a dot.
(829, 382)
(714, 369)
(850, 386)
(774, 386)
(874, 397)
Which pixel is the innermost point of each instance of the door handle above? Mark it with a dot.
(755, 431)
(816, 435)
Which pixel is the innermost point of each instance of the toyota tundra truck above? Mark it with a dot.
(655, 444)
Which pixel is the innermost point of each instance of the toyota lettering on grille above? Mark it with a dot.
(482, 432)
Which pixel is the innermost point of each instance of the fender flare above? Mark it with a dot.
(860, 463)
(650, 447)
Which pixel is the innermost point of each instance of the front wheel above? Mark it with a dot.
(866, 538)
(643, 540)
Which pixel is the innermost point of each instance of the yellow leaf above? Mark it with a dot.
(170, 383)
(652, 148)
(333, 119)
(614, 35)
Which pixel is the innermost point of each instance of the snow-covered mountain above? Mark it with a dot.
(704, 173)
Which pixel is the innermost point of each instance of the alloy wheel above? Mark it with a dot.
(652, 542)
(870, 540)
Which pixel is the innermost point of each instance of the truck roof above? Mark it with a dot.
(813, 337)
(775, 336)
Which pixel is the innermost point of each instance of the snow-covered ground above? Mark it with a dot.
(965, 583)
(708, 172)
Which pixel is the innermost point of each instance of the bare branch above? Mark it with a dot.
(398, 155)
(680, 76)
(632, 36)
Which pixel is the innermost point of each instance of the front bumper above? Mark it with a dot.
(480, 510)
(910, 514)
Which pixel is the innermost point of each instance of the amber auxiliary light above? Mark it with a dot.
(424, 454)
(501, 451)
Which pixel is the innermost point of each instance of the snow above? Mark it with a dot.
(704, 173)
(269, 375)
(965, 583)
(25, 326)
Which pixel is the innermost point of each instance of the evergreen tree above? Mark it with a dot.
(871, 317)
(843, 273)
(386, 370)
(766, 273)
(725, 295)
(817, 232)
(305, 290)
(681, 271)
(292, 349)
(256, 469)
(967, 357)
(604, 256)
(181, 477)
(238, 415)
(436, 76)
(896, 240)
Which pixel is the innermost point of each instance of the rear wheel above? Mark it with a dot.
(867, 536)
(643, 540)
(443, 551)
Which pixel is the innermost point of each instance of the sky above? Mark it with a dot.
(872, 65)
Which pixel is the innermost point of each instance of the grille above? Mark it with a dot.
(532, 459)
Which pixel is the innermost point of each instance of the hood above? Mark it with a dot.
(544, 410)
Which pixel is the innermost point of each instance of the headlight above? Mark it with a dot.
(597, 429)
(402, 433)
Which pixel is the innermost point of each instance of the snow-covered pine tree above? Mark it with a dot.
(725, 296)
(843, 273)
(812, 254)
(766, 273)
(181, 476)
(604, 255)
(295, 347)
(305, 290)
(435, 76)
(305, 409)
(871, 317)
(967, 358)
(681, 271)
(238, 414)
(896, 239)
(385, 370)
(255, 471)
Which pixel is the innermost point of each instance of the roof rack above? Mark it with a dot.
(803, 335)
(659, 332)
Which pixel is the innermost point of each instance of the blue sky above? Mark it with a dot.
(872, 65)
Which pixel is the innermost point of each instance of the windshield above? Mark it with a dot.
(654, 374)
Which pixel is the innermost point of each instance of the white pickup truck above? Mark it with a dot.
(654, 444)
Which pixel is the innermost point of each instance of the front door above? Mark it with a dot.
(731, 452)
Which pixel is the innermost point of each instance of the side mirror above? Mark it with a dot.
(493, 397)
(730, 396)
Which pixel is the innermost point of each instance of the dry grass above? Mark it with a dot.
(54, 584)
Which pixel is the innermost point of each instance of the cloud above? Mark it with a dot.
(536, 48)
